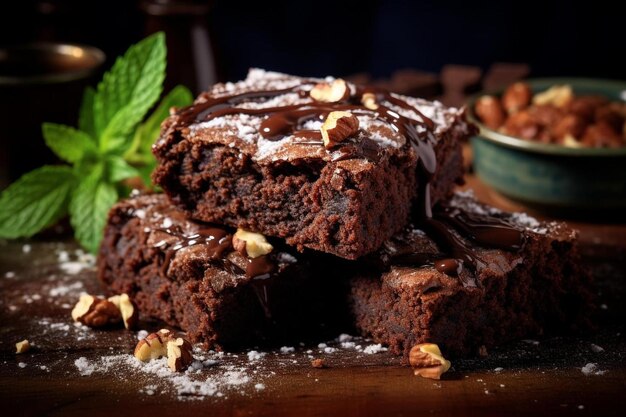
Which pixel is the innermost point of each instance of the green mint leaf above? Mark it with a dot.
(148, 132)
(35, 201)
(128, 91)
(118, 169)
(86, 116)
(89, 208)
(69, 144)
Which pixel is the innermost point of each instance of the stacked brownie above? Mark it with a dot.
(513, 277)
(296, 206)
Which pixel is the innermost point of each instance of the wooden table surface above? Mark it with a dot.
(532, 377)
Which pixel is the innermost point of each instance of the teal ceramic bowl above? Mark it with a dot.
(553, 177)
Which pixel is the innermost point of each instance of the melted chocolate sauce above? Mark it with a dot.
(287, 120)
(218, 243)
(449, 266)
(448, 224)
(219, 106)
(365, 148)
(485, 230)
(445, 226)
(260, 268)
(261, 289)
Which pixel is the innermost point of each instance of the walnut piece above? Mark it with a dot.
(516, 97)
(127, 309)
(251, 244)
(427, 361)
(332, 92)
(339, 125)
(558, 96)
(152, 346)
(165, 343)
(95, 311)
(368, 100)
(179, 355)
(490, 111)
(318, 363)
(22, 347)
(571, 142)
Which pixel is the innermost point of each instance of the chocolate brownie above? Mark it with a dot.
(481, 278)
(187, 274)
(251, 154)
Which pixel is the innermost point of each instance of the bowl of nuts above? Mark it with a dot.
(554, 144)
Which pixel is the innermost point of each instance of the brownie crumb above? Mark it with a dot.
(319, 363)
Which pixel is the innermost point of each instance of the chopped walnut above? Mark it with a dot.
(339, 125)
(427, 361)
(22, 347)
(127, 309)
(318, 363)
(165, 343)
(96, 312)
(251, 244)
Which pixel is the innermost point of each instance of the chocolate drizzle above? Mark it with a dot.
(448, 266)
(457, 231)
(288, 120)
(451, 228)
(485, 230)
(218, 244)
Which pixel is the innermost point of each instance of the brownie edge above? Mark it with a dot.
(542, 289)
(210, 296)
(342, 201)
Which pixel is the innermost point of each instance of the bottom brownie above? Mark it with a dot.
(187, 274)
(468, 295)
(497, 296)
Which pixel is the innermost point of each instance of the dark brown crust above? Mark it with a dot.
(213, 306)
(541, 290)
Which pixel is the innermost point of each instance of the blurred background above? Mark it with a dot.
(320, 37)
(442, 50)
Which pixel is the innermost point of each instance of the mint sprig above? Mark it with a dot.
(35, 201)
(110, 146)
(89, 206)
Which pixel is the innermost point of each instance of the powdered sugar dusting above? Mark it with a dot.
(215, 374)
(246, 128)
(65, 289)
(443, 117)
(76, 262)
(266, 148)
(373, 349)
(591, 369)
(55, 328)
(193, 383)
(253, 355)
(84, 366)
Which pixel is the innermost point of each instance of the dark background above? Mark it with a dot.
(433, 49)
(320, 37)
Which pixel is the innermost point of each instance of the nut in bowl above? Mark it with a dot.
(556, 145)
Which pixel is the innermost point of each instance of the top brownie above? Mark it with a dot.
(325, 164)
